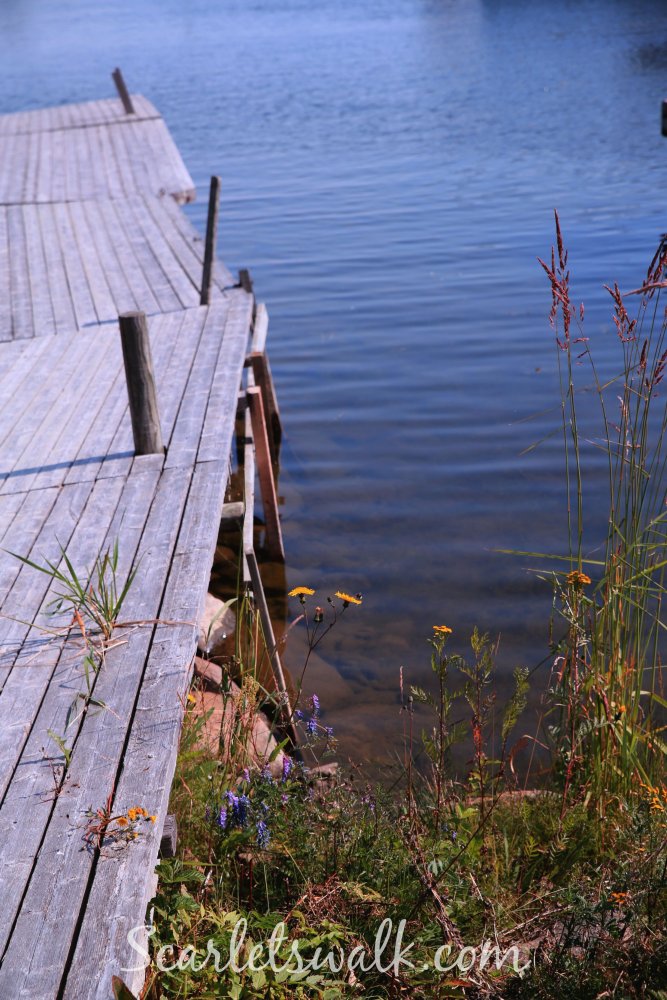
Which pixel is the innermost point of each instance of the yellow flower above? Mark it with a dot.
(619, 897)
(347, 598)
(577, 579)
(301, 592)
(151, 819)
(132, 814)
(122, 821)
(192, 699)
(442, 629)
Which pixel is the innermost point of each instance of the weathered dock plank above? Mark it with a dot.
(120, 889)
(69, 116)
(24, 600)
(27, 808)
(28, 681)
(37, 952)
(115, 160)
(78, 264)
(88, 231)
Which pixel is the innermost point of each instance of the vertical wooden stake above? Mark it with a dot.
(140, 384)
(211, 237)
(123, 92)
(245, 281)
(274, 538)
(286, 715)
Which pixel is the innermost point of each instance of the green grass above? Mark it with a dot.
(573, 874)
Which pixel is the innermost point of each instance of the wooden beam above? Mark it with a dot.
(286, 714)
(140, 384)
(211, 237)
(248, 494)
(123, 92)
(264, 381)
(232, 511)
(274, 538)
(260, 328)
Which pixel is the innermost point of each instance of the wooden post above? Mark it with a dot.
(274, 538)
(140, 383)
(245, 281)
(664, 118)
(262, 373)
(211, 237)
(286, 714)
(123, 92)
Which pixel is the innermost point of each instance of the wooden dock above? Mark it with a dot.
(90, 228)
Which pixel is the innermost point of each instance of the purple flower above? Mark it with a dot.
(298, 715)
(315, 702)
(235, 813)
(284, 799)
(287, 767)
(311, 726)
(242, 810)
(246, 775)
(263, 835)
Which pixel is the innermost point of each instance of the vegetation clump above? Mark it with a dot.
(539, 870)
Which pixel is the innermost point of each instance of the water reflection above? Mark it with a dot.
(390, 168)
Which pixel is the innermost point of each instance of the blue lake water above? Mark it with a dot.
(390, 169)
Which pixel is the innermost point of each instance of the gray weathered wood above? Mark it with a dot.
(27, 807)
(85, 233)
(232, 512)
(140, 384)
(61, 873)
(211, 240)
(215, 440)
(151, 749)
(169, 838)
(115, 159)
(73, 116)
(260, 328)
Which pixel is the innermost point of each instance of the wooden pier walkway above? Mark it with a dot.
(90, 228)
